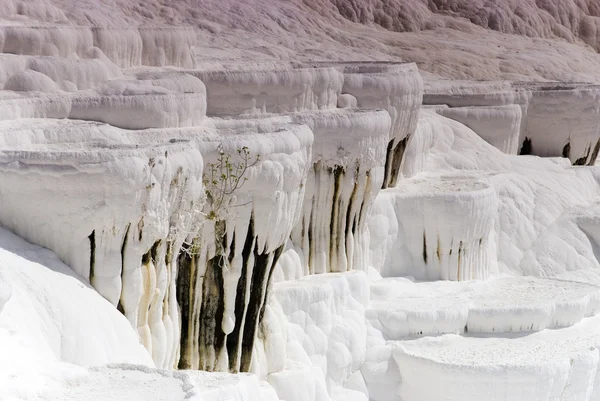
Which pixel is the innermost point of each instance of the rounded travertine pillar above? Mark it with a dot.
(224, 279)
(440, 228)
(397, 88)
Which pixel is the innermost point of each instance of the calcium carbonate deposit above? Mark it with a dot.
(320, 200)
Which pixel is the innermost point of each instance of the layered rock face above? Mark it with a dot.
(395, 87)
(345, 177)
(117, 236)
(225, 270)
(543, 119)
(126, 47)
(127, 162)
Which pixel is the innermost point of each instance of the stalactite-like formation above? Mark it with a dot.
(393, 86)
(332, 225)
(195, 286)
(340, 188)
(224, 273)
(201, 293)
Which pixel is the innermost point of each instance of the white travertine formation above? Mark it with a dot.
(326, 332)
(564, 120)
(498, 125)
(223, 286)
(475, 100)
(395, 87)
(30, 81)
(439, 145)
(556, 119)
(117, 235)
(69, 75)
(143, 104)
(440, 228)
(55, 321)
(126, 47)
(549, 365)
(346, 174)
(119, 122)
(136, 252)
(178, 100)
(250, 91)
(401, 308)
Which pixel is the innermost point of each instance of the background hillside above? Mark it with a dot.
(461, 39)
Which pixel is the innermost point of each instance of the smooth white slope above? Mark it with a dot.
(140, 383)
(52, 326)
(50, 305)
(49, 316)
(539, 225)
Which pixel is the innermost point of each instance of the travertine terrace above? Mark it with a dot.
(312, 202)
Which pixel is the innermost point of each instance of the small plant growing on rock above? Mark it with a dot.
(223, 178)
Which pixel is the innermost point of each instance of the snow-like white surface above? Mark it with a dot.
(438, 228)
(549, 365)
(50, 321)
(135, 382)
(401, 308)
(117, 382)
(326, 335)
(500, 126)
(46, 307)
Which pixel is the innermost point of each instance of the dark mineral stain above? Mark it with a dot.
(566, 152)
(424, 247)
(594, 156)
(92, 238)
(527, 147)
(123, 248)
